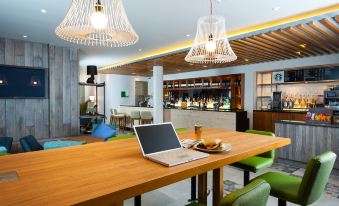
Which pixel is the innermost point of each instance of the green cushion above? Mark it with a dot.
(254, 164)
(127, 136)
(181, 129)
(303, 191)
(3, 153)
(254, 194)
(316, 176)
(282, 186)
(195, 204)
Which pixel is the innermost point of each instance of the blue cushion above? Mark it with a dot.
(60, 144)
(3, 150)
(104, 131)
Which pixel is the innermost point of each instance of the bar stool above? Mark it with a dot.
(119, 119)
(135, 115)
(146, 117)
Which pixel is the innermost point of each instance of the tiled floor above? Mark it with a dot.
(178, 194)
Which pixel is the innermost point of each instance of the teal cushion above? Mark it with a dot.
(282, 186)
(104, 131)
(60, 144)
(254, 164)
(3, 150)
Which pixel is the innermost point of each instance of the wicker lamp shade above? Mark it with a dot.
(97, 23)
(211, 44)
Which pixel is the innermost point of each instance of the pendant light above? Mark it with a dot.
(97, 23)
(211, 44)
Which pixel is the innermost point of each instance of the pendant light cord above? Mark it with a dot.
(211, 13)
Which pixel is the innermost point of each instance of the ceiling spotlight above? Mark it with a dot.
(134, 73)
(139, 50)
(43, 11)
(191, 64)
(24, 36)
(276, 8)
(205, 66)
(298, 52)
(188, 35)
(303, 46)
(246, 60)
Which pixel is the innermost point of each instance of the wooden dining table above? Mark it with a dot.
(106, 173)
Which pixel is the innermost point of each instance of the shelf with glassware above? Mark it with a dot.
(218, 93)
(295, 96)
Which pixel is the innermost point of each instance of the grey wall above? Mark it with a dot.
(44, 118)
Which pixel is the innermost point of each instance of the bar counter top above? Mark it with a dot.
(209, 110)
(319, 124)
(282, 111)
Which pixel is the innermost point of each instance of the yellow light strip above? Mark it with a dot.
(246, 30)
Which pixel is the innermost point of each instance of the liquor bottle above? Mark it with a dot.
(290, 103)
(285, 102)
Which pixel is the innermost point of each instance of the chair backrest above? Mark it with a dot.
(135, 114)
(269, 154)
(115, 111)
(316, 175)
(29, 144)
(7, 143)
(255, 193)
(146, 115)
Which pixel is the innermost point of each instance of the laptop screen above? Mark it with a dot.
(157, 138)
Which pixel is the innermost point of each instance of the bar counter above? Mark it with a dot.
(308, 139)
(235, 120)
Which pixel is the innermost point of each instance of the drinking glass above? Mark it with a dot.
(198, 131)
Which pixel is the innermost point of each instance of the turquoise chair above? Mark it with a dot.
(254, 194)
(256, 163)
(305, 190)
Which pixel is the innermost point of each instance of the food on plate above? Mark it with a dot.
(211, 144)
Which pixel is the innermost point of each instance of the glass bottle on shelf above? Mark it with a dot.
(290, 103)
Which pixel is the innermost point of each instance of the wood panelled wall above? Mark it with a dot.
(64, 91)
(44, 118)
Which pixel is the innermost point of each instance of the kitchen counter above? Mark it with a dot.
(319, 124)
(282, 111)
(209, 110)
(308, 139)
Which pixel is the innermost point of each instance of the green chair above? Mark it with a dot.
(254, 194)
(306, 190)
(256, 163)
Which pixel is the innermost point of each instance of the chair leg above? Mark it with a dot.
(193, 189)
(137, 200)
(246, 177)
(281, 202)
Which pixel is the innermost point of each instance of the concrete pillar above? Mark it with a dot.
(158, 93)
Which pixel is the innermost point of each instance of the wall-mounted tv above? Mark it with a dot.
(23, 82)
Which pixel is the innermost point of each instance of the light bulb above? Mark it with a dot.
(210, 46)
(99, 20)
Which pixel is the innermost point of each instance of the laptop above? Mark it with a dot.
(160, 143)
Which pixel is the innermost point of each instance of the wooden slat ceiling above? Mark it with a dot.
(304, 40)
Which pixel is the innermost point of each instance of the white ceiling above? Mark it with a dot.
(159, 23)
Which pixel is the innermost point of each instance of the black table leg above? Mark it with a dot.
(137, 200)
(193, 189)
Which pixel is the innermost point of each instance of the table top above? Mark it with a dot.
(107, 172)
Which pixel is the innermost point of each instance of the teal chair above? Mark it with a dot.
(256, 163)
(254, 194)
(305, 190)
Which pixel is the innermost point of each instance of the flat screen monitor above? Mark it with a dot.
(23, 82)
(157, 137)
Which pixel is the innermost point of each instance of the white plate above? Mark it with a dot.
(225, 148)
